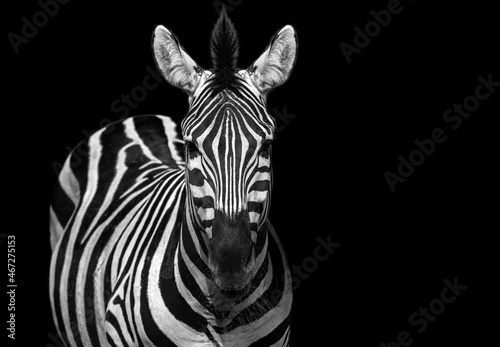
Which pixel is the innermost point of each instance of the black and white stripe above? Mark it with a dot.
(130, 268)
(234, 133)
(141, 226)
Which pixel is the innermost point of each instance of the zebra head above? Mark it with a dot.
(228, 135)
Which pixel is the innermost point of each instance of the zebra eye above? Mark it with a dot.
(252, 70)
(191, 149)
(265, 149)
(198, 70)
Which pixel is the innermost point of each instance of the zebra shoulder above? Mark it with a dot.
(142, 140)
(157, 135)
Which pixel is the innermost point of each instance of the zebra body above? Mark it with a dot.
(157, 241)
(98, 288)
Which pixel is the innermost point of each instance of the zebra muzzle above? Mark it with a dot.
(231, 257)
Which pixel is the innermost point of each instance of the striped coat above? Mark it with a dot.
(124, 261)
(159, 241)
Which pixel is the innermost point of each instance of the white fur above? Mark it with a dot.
(274, 65)
(176, 65)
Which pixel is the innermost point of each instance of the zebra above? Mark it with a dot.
(164, 240)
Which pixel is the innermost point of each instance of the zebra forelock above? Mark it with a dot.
(224, 49)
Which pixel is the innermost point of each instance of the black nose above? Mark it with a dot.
(231, 244)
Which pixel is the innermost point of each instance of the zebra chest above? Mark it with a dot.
(147, 309)
(149, 306)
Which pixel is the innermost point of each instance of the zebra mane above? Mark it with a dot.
(224, 47)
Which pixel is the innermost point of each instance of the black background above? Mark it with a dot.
(352, 122)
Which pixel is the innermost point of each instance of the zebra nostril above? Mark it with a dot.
(250, 261)
(211, 262)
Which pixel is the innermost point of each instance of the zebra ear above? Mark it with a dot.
(176, 65)
(274, 65)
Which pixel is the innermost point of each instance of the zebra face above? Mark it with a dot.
(228, 135)
(228, 170)
(228, 141)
